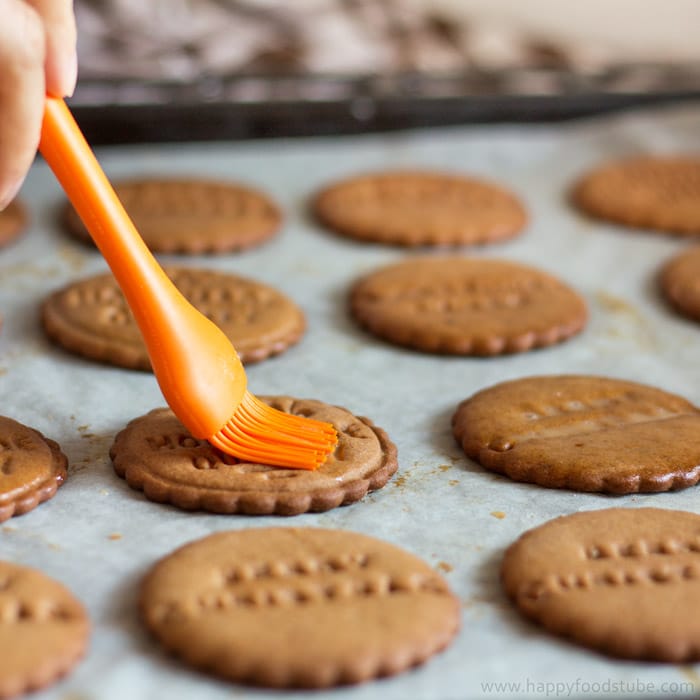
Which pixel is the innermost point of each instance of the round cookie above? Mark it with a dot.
(13, 220)
(680, 282)
(91, 317)
(156, 454)
(466, 306)
(32, 467)
(43, 630)
(413, 208)
(654, 192)
(298, 607)
(623, 581)
(583, 433)
(191, 215)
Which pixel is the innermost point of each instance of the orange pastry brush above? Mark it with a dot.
(196, 365)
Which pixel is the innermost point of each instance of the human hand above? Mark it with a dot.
(37, 57)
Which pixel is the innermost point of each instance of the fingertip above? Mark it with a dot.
(62, 74)
(8, 193)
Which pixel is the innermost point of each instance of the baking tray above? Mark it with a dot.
(99, 536)
(244, 106)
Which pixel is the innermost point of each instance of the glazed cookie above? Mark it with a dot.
(298, 607)
(467, 306)
(191, 215)
(654, 192)
(91, 317)
(13, 220)
(680, 282)
(43, 630)
(32, 467)
(156, 454)
(583, 433)
(410, 208)
(623, 581)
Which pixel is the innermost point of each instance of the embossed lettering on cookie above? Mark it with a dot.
(32, 467)
(298, 607)
(156, 454)
(43, 630)
(624, 581)
(583, 433)
(660, 193)
(420, 208)
(90, 317)
(467, 306)
(192, 215)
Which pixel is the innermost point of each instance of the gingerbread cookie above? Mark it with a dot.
(43, 630)
(191, 215)
(32, 467)
(298, 607)
(13, 221)
(467, 306)
(410, 208)
(680, 282)
(583, 433)
(157, 454)
(653, 192)
(91, 317)
(623, 581)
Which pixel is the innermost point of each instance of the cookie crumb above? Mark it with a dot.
(498, 514)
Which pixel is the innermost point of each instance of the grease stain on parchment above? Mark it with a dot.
(626, 321)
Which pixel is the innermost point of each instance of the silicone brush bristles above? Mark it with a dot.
(261, 434)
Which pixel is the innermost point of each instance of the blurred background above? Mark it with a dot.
(204, 69)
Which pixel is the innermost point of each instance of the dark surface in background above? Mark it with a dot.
(122, 112)
(196, 122)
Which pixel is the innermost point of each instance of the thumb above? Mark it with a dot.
(61, 57)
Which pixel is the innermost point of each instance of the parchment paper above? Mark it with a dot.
(99, 537)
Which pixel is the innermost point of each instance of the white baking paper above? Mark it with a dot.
(99, 536)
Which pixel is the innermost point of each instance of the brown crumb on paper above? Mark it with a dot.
(114, 536)
(498, 514)
(444, 567)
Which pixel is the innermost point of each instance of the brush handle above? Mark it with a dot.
(187, 350)
(76, 168)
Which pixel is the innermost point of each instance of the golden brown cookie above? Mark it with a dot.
(298, 607)
(156, 454)
(623, 581)
(413, 208)
(32, 467)
(654, 192)
(680, 282)
(191, 215)
(91, 317)
(467, 306)
(13, 221)
(43, 630)
(583, 433)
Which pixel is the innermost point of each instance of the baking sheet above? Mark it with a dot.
(99, 537)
